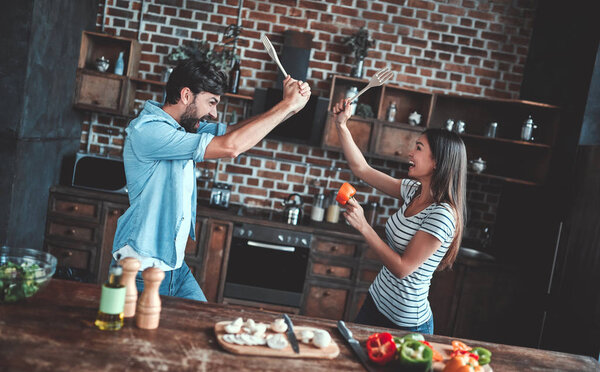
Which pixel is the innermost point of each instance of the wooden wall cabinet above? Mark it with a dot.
(106, 91)
(507, 156)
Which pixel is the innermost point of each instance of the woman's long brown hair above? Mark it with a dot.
(449, 182)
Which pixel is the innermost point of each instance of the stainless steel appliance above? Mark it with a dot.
(220, 194)
(101, 173)
(267, 265)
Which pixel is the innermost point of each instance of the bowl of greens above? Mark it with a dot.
(24, 272)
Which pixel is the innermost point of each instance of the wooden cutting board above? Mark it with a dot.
(306, 350)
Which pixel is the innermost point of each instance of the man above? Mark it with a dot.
(160, 149)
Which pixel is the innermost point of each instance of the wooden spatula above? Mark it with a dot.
(272, 53)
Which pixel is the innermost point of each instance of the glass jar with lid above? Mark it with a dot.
(318, 208)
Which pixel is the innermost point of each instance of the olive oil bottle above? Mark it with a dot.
(112, 301)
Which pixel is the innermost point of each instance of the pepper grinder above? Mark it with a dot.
(148, 314)
(131, 266)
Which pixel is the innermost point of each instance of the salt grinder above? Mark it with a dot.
(131, 266)
(148, 307)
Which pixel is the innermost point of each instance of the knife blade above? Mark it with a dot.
(354, 344)
(291, 335)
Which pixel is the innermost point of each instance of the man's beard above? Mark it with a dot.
(189, 120)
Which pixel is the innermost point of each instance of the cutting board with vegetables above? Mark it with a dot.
(307, 350)
(446, 350)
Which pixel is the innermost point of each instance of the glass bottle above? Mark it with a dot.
(333, 209)
(391, 112)
(351, 92)
(119, 65)
(318, 209)
(234, 77)
(112, 301)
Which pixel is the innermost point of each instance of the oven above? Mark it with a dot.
(267, 265)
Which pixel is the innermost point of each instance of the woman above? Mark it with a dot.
(424, 235)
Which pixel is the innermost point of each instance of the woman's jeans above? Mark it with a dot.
(369, 315)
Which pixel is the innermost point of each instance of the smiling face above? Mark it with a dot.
(203, 106)
(421, 163)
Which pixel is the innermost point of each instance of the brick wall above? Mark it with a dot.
(470, 47)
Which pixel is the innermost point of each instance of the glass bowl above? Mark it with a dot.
(24, 272)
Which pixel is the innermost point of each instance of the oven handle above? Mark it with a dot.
(272, 246)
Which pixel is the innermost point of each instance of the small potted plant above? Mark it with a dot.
(224, 58)
(360, 44)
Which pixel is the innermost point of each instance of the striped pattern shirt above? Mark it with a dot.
(404, 301)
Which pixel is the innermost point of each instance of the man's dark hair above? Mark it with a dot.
(197, 75)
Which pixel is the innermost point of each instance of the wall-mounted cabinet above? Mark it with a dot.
(106, 91)
(507, 156)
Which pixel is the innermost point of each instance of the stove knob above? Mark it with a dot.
(249, 233)
(241, 232)
(296, 240)
(280, 237)
(304, 241)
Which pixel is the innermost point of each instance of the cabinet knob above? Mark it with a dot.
(329, 271)
(71, 232)
(219, 228)
(334, 248)
(397, 153)
(75, 208)
(68, 254)
(115, 212)
(326, 294)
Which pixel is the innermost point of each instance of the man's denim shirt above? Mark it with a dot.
(155, 152)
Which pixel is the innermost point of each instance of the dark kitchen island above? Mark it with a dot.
(54, 331)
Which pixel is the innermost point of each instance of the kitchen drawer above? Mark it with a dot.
(71, 257)
(335, 248)
(71, 231)
(326, 302)
(75, 208)
(331, 271)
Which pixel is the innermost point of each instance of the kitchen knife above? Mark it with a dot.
(354, 344)
(291, 335)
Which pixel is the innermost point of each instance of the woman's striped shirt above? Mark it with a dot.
(404, 301)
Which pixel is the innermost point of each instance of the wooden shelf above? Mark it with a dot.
(148, 81)
(505, 140)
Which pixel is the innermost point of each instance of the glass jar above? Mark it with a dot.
(391, 112)
(318, 209)
(333, 209)
(351, 92)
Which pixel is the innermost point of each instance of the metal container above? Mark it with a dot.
(527, 129)
(292, 214)
(220, 194)
(491, 130)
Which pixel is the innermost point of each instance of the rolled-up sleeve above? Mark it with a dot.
(161, 141)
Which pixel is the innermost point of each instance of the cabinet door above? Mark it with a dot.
(112, 212)
(360, 129)
(394, 141)
(216, 253)
(325, 302)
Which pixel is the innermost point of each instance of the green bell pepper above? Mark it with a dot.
(485, 356)
(415, 356)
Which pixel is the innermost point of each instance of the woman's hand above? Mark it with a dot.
(342, 111)
(355, 215)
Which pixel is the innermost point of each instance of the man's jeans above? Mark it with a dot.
(177, 283)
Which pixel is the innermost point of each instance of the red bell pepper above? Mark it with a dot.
(345, 193)
(381, 348)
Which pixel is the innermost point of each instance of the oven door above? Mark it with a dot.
(266, 272)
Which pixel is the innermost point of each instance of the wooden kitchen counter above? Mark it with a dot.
(54, 331)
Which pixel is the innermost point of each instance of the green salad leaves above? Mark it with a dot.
(17, 281)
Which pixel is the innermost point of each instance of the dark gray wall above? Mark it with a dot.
(39, 126)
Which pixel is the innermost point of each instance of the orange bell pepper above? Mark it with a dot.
(345, 193)
(462, 363)
(437, 356)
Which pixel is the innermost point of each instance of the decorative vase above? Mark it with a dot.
(357, 70)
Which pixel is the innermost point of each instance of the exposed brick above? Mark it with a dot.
(463, 31)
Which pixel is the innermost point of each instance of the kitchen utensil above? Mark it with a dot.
(378, 79)
(306, 350)
(292, 214)
(290, 334)
(354, 344)
(271, 51)
(24, 272)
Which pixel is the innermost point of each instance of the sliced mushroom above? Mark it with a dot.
(277, 341)
(238, 322)
(260, 329)
(279, 325)
(321, 339)
(306, 335)
(232, 328)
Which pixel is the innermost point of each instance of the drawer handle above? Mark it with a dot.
(397, 153)
(70, 232)
(334, 248)
(219, 228)
(115, 212)
(68, 254)
(75, 208)
(329, 271)
(326, 294)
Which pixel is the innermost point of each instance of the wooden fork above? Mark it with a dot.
(271, 51)
(378, 79)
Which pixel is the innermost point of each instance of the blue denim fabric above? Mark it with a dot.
(155, 152)
(177, 283)
(369, 315)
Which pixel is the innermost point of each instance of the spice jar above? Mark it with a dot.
(318, 209)
(391, 112)
(351, 92)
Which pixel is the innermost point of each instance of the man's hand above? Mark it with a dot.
(342, 111)
(295, 93)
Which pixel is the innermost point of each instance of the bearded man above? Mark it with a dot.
(161, 148)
